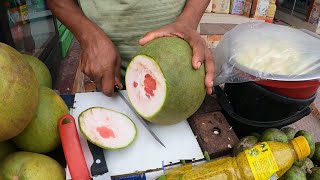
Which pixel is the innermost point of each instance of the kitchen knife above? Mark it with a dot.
(72, 148)
(116, 89)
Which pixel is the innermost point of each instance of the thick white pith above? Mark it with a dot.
(123, 128)
(145, 104)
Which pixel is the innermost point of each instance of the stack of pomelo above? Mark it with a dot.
(29, 116)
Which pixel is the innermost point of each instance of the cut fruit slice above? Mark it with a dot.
(148, 85)
(107, 128)
(161, 83)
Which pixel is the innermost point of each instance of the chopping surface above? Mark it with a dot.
(145, 153)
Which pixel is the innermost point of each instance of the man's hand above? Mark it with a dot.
(201, 54)
(100, 59)
(101, 62)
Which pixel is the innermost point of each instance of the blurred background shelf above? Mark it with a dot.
(39, 14)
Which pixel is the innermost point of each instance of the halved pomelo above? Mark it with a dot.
(107, 128)
(161, 83)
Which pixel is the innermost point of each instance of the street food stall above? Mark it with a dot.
(260, 122)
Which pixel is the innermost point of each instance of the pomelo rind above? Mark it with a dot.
(19, 91)
(97, 143)
(185, 87)
(28, 165)
(40, 69)
(42, 134)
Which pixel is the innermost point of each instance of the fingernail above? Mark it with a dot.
(198, 64)
(210, 91)
(211, 83)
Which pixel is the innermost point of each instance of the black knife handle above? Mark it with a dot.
(116, 88)
(99, 165)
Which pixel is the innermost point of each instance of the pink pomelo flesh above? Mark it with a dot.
(105, 132)
(107, 128)
(147, 85)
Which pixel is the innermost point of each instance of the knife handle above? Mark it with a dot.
(72, 148)
(99, 165)
(116, 88)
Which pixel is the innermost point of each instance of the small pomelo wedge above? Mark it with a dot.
(161, 83)
(107, 128)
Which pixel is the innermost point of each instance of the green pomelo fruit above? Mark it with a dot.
(290, 132)
(161, 83)
(274, 134)
(299, 163)
(162, 177)
(107, 128)
(307, 165)
(6, 148)
(316, 156)
(257, 135)
(18, 93)
(315, 174)
(294, 173)
(42, 134)
(40, 69)
(243, 144)
(30, 166)
(310, 140)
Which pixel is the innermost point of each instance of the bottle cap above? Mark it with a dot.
(301, 146)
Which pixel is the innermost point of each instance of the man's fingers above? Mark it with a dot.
(97, 82)
(107, 83)
(198, 53)
(209, 67)
(153, 35)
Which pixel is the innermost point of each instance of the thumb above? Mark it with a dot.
(107, 82)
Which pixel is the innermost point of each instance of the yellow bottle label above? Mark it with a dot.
(24, 14)
(262, 162)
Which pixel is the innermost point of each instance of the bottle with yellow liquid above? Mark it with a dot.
(265, 161)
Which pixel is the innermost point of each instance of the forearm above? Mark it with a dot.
(70, 14)
(193, 11)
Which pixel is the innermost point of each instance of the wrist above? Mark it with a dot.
(188, 22)
(92, 35)
(86, 31)
(193, 12)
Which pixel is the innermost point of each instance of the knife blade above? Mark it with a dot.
(116, 89)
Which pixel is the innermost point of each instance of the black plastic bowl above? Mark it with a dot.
(250, 108)
(254, 102)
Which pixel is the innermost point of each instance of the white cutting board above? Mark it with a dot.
(145, 153)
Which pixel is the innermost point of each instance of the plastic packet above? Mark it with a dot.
(257, 50)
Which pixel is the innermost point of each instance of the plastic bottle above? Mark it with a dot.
(29, 44)
(271, 11)
(265, 161)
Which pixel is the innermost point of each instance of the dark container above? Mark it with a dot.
(251, 108)
(257, 103)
